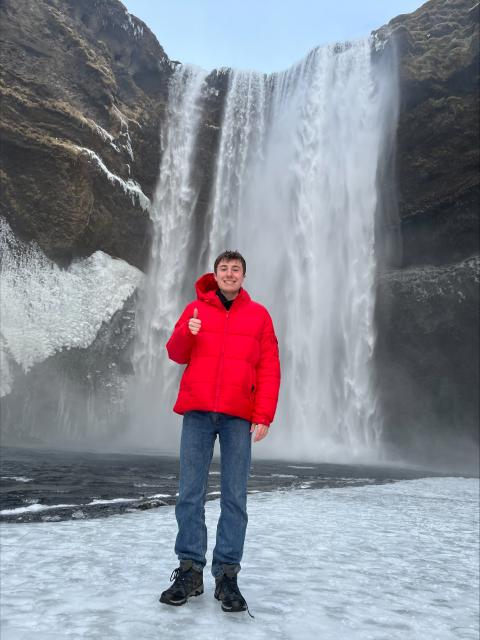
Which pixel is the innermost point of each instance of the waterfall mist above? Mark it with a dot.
(296, 191)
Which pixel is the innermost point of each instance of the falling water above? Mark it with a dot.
(172, 215)
(296, 192)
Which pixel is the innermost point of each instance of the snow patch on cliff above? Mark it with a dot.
(133, 25)
(130, 187)
(105, 135)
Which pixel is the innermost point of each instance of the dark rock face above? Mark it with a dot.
(438, 133)
(427, 310)
(83, 87)
(428, 360)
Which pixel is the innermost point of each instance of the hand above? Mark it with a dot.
(261, 430)
(194, 323)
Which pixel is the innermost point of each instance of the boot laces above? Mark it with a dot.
(181, 579)
(230, 588)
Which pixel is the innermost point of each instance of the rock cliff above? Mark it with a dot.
(427, 307)
(83, 91)
(438, 133)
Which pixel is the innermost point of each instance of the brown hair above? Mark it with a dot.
(228, 256)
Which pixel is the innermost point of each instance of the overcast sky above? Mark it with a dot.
(264, 35)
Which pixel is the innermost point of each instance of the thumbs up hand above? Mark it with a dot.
(194, 324)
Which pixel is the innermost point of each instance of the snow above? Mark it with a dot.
(36, 506)
(137, 29)
(130, 187)
(110, 501)
(127, 145)
(384, 562)
(379, 42)
(282, 475)
(105, 135)
(295, 466)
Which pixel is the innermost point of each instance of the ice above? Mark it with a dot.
(110, 501)
(47, 308)
(132, 25)
(105, 135)
(385, 562)
(125, 132)
(37, 506)
(153, 484)
(282, 475)
(295, 466)
(130, 187)
(379, 41)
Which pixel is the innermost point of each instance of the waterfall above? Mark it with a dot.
(240, 154)
(295, 191)
(172, 215)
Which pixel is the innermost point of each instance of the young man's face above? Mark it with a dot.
(229, 277)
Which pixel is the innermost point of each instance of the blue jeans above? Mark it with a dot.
(199, 432)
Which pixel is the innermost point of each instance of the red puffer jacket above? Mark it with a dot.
(232, 363)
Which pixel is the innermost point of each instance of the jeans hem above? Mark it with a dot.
(198, 566)
(230, 569)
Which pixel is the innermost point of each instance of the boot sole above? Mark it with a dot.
(231, 609)
(179, 603)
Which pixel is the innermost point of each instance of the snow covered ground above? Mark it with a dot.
(384, 562)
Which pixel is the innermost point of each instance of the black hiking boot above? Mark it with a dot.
(227, 591)
(186, 582)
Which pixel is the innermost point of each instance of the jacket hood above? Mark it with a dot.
(206, 288)
(205, 285)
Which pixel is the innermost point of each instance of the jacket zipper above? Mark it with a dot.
(220, 366)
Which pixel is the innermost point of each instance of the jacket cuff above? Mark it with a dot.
(260, 420)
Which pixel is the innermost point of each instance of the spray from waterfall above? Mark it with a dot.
(295, 190)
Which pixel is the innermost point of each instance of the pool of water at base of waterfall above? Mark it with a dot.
(39, 485)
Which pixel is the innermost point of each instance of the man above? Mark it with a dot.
(230, 389)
